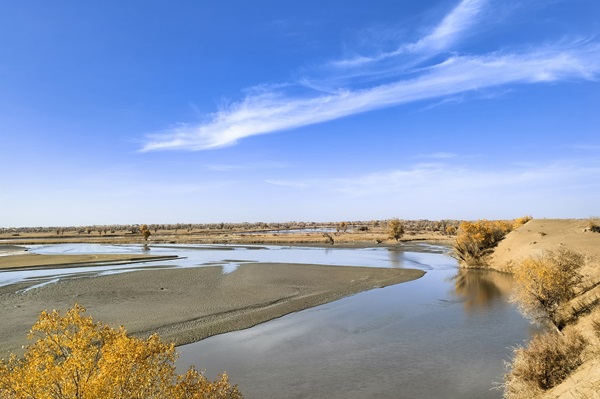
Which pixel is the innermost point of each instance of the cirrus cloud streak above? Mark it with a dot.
(273, 111)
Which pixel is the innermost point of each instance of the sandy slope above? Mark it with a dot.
(188, 304)
(532, 239)
(538, 235)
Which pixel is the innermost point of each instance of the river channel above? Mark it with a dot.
(445, 335)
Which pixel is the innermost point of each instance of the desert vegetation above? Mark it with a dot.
(594, 225)
(545, 362)
(395, 229)
(546, 286)
(145, 231)
(476, 239)
(74, 357)
(547, 282)
(345, 232)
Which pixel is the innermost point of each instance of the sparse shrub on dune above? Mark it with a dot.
(547, 282)
(594, 225)
(596, 325)
(546, 361)
(518, 222)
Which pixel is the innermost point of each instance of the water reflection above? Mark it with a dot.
(482, 289)
(408, 340)
(395, 258)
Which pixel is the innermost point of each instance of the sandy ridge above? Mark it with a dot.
(532, 239)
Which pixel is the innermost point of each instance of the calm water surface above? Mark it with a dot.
(445, 335)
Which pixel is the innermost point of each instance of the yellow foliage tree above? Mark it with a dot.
(474, 239)
(75, 358)
(395, 229)
(145, 231)
(545, 283)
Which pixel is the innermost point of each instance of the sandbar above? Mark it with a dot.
(26, 261)
(185, 305)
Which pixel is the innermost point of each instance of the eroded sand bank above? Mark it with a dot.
(189, 304)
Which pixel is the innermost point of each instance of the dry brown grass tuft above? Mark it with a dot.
(596, 326)
(518, 222)
(594, 225)
(543, 364)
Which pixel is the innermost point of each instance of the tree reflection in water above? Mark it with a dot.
(482, 289)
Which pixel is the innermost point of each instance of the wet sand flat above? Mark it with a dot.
(188, 304)
(24, 261)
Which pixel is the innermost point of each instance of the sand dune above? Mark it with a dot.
(533, 239)
(539, 235)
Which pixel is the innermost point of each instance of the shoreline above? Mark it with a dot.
(189, 304)
(27, 261)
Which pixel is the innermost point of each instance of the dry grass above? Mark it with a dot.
(594, 225)
(596, 326)
(543, 364)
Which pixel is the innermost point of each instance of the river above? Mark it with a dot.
(445, 335)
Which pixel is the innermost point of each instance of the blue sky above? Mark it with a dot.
(232, 111)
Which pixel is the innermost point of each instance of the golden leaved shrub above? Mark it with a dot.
(547, 282)
(74, 357)
(474, 239)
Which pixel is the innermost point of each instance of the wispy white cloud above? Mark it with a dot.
(273, 111)
(452, 26)
(435, 179)
(441, 37)
(240, 167)
(292, 184)
(438, 155)
(268, 108)
(587, 147)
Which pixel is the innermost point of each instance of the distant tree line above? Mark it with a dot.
(441, 226)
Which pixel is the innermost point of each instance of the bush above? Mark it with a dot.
(145, 231)
(73, 357)
(474, 239)
(518, 222)
(547, 282)
(395, 229)
(543, 364)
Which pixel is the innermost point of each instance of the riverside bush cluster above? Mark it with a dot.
(74, 357)
(546, 361)
(475, 239)
(547, 282)
(544, 285)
